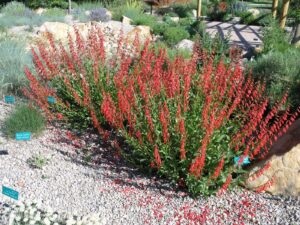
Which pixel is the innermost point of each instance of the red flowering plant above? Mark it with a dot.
(74, 75)
(184, 121)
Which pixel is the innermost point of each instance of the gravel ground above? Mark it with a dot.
(98, 181)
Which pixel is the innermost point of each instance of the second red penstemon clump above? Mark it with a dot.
(183, 120)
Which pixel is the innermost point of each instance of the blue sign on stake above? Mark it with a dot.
(23, 136)
(10, 192)
(9, 99)
(245, 162)
(51, 99)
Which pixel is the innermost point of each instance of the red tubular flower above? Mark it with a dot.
(225, 185)
(218, 169)
(258, 173)
(265, 186)
(157, 157)
(182, 149)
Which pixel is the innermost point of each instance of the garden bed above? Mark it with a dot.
(104, 184)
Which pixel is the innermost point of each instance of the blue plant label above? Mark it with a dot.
(10, 192)
(51, 99)
(245, 162)
(9, 99)
(23, 136)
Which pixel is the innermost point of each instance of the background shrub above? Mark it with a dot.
(281, 72)
(24, 119)
(173, 35)
(100, 14)
(13, 59)
(275, 38)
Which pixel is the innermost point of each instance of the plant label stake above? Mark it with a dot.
(9, 99)
(3, 152)
(10, 192)
(51, 100)
(23, 136)
(245, 162)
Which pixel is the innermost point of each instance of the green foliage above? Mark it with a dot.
(217, 45)
(182, 10)
(172, 35)
(274, 38)
(13, 58)
(130, 9)
(14, 9)
(16, 14)
(139, 18)
(281, 72)
(54, 12)
(172, 52)
(47, 3)
(37, 161)
(24, 119)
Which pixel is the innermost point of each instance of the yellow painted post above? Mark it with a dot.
(274, 8)
(199, 9)
(284, 13)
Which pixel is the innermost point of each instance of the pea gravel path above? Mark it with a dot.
(102, 183)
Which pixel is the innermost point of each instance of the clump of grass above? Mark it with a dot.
(37, 161)
(24, 119)
(13, 58)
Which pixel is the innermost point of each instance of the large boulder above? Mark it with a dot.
(185, 44)
(143, 32)
(57, 29)
(284, 165)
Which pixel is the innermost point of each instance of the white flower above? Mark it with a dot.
(70, 221)
(25, 219)
(54, 217)
(37, 216)
(18, 218)
(32, 222)
(28, 203)
(22, 208)
(47, 221)
(49, 210)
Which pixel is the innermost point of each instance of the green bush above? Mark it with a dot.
(47, 3)
(182, 10)
(275, 38)
(173, 35)
(14, 9)
(139, 18)
(13, 59)
(281, 72)
(55, 12)
(16, 14)
(24, 119)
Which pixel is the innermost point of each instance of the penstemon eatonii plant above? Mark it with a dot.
(184, 121)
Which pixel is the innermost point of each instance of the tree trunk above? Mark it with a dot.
(274, 8)
(70, 7)
(296, 38)
(284, 13)
(199, 9)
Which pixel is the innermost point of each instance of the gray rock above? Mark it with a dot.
(185, 45)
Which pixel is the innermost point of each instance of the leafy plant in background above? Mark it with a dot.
(183, 122)
(281, 72)
(24, 119)
(13, 59)
(16, 14)
(100, 14)
(275, 38)
(172, 35)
